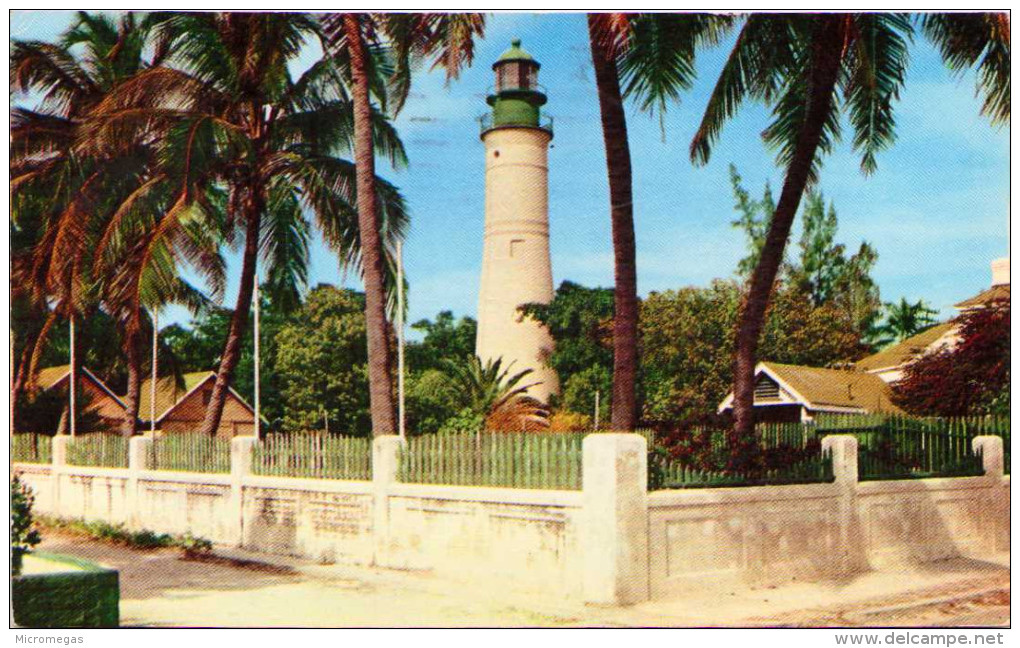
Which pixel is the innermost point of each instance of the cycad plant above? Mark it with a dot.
(496, 394)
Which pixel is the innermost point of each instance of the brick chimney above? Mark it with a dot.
(1000, 272)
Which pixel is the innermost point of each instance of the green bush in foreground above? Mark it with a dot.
(23, 536)
(119, 534)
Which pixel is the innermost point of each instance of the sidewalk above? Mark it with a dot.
(239, 588)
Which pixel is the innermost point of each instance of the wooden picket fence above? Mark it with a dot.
(511, 460)
(313, 455)
(808, 465)
(32, 447)
(190, 453)
(104, 450)
(904, 447)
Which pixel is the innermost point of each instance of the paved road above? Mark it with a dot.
(160, 588)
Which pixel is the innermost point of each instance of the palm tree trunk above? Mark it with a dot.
(22, 376)
(380, 378)
(625, 322)
(238, 320)
(37, 350)
(134, 383)
(826, 45)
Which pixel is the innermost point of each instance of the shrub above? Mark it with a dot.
(23, 535)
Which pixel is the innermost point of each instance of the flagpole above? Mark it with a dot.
(400, 338)
(155, 373)
(71, 382)
(258, 412)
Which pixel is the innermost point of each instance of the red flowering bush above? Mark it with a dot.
(969, 378)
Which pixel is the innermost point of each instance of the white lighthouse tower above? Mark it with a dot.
(516, 268)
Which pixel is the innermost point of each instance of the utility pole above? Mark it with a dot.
(155, 373)
(596, 409)
(258, 412)
(400, 339)
(71, 383)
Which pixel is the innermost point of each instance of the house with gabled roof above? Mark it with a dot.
(889, 363)
(97, 398)
(785, 393)
(789, 393)
(180, 407)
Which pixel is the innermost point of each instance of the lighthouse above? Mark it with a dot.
(516, 268)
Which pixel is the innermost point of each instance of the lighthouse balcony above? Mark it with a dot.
(487, 123)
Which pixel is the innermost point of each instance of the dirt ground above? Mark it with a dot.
(237, 589)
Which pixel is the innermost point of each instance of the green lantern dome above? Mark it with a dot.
(516, 97)
(515, 53)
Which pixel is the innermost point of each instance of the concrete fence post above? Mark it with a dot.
(992, 455)
(842, 448)
(997, 510)
(614, 530)
(59, 462)
(139, 455)
(241, 450)
(385, 463)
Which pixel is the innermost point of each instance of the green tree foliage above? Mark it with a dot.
(965, 379)
(23, 534)
(197, 347)
(580, 320)
(431, 401)
(904, 319)
(687, 338)
(446, 338)
(822, 270)
(321, 364)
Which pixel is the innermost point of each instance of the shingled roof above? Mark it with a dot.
(903, 352)
(826, 389)
(168, 393)
(1000, 291)
(50, 377)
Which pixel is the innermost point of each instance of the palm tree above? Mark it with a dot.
(652, 55)
(353, 40)
(982, 39)
(492, 392)
(903, 320)
(235, 130)
(798, 63)
(57, 193)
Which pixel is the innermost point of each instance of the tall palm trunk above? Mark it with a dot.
(827, 43)
(25, 364)
(134, 383)
(625, 322)
(379, 369)
(37, 350)
(239, 318)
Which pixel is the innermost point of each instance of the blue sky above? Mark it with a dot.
(937, 209)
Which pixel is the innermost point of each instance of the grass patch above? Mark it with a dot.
(119, 534)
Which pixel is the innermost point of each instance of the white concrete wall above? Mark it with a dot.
(756, 534)
(772, 534)
(611, 543)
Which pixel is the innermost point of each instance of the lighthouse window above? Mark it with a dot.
(516, 248)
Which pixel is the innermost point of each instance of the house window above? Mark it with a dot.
(766, 389)
(206, 396)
